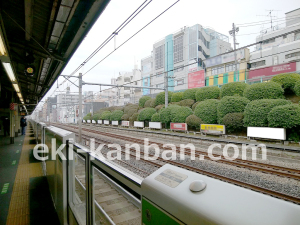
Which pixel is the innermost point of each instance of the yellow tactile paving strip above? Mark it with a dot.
(18, 213)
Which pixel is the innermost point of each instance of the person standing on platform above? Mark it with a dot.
(6, 124)
(23, 124)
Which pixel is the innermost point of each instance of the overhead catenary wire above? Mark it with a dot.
(135, 33)
(275, 20)
(121, 27)
(108, 39)
(131, 37)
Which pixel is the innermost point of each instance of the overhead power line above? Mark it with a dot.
(123, 24)
(276, 20)
(132, 36)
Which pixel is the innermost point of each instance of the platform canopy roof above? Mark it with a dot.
(37, 39)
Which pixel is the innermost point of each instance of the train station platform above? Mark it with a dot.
(25, 197)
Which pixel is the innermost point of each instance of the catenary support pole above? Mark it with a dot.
(80, 106)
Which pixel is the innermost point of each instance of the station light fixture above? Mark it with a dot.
(19, 95)
(2, 47)
(9, 71)
(16, 87)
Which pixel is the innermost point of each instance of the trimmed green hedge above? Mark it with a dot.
(256, 112)
(234, 122)
(130, 108)
(186, 102)
(285, 116)
(193, 122)
(159, 107)
(116, 115)
(194, 105)
(143, 100)
(232, 89)
(105, 115)
(177, 97)
(146, 114)
(133, 117)
(190, 93)
(266, 90)
(231, 104)
(207, 111)
(207, 93)
(297, 88)
(166, 114)
(287, 81)
(152, 103)
(88, 116)
(147, 103)
(125, 117)
(131, 111)
(155, 117)
(181, 114)
(96, 116)
(160, 98)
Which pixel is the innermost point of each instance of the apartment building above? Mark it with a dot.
(181, 56)
(278, 50)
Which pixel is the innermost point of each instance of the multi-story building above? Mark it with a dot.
(51, 108)
(44, 113)
(129, 94)
(181, 56)
(221, 69)
(279, 50)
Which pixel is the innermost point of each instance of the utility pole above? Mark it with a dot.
(166, 90)
(80, 106)
(166, 81)
(232, 32)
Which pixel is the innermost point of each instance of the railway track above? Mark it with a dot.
(285, 172)
(257, 166)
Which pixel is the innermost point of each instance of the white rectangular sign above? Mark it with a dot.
(99, 121)
(88, 121)
(267, 132)
(93, 121)
(116, 123)
(106, 121)
(138, 124)
(155, 125)
(83, 121)
(125, 123)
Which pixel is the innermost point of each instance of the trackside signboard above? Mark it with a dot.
(116, 123)
(212, 128)
(125, 123)
(179, 126)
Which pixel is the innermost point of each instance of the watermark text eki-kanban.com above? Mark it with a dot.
(153, 151)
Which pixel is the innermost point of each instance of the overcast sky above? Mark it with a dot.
(216, 14)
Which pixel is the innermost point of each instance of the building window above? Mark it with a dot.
(294, 54)
(275, 60)
(231, 67)
(193, 51)
(159, 57)
(178, 49)
(258, 64)
(297, 36)
(217, 70)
